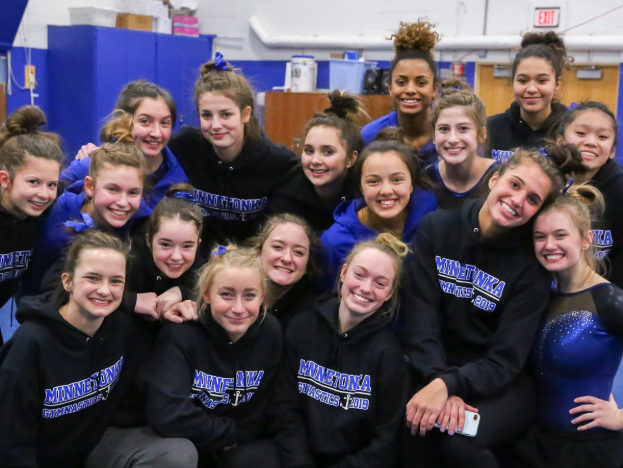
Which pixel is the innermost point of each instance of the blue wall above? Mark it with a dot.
(21, 97)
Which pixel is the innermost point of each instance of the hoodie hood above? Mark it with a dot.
(610, 173)
(40, 309)
(420, 203)
(327, 306)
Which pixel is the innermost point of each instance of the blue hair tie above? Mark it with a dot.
(568, 186)
(543, 152)
(221, 249)
(78, 226)
(219, 63)
(185, 196)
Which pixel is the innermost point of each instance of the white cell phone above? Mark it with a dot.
(470, 429)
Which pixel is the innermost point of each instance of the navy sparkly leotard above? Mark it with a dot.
(578, 351)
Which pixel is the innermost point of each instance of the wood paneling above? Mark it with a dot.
(497, 93)
(286, 114)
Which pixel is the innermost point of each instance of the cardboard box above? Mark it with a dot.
(132, 21)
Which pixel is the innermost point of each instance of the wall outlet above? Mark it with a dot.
(29, 77)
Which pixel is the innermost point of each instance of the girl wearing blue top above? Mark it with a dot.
(579, 347)
(413, 87)
(109, 198)
(395, 199)
(459, 122)
(154, 113)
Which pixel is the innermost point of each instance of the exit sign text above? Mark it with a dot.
(546, 17)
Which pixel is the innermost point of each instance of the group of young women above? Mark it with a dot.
(254, 318)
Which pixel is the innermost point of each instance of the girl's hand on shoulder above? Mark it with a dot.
(168, 299)
(181, 312)
(86, 150)
(146, 305)
(453, 415)
(426, 406)
(600, 413)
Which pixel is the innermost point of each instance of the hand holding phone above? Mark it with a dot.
(470, 429)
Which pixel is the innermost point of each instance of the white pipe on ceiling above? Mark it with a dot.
(603, 43)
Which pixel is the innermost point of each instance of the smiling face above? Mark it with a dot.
(367, 282)
(324, 157)
(592, 132)
(116, 194)
(558, 244)
(535, 85)
(222, 121)
(235, 297)
(456, 136)
(152, 126)
(174, 246)
(96, 285)
(31, 189)
(517, 195)
(386, 184)
(412, 86)
(285, 253)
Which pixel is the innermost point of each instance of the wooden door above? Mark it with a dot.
(287, 114)
(497, 93)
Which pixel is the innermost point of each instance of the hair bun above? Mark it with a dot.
(342, 104)
(26, 119)
(567, 157)
(118, 128)
(420, 35)
(400, 248)
(210, 67)
(454, 85)
(390, 134)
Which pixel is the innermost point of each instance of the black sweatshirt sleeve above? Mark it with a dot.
(289, 426)
(421, 302)
(167, 381)
(511, 343)
(392, 391)
(21, 406)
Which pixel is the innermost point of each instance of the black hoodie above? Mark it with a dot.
(203, 387)
(17, 238)
(298, 196)
(608, 232)
(508, 131)
(58, 386)
(340, 399)
(234, 196)
(472, 304)
(298, 298)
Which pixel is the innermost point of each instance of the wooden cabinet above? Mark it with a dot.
(286, 114)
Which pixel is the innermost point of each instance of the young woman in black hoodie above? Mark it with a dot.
(211, 380)
(233, 166)
(321, 181)
(30, 163)
(290, 253)
(593, 128)
(163, 261)
(341, 392)
(537, 70)
(66, 368)
(473, 304)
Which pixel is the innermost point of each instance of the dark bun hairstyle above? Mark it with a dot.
(548, 46)
(20, 136)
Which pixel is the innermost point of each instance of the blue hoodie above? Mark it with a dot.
(60, 227)
(347, 230)
(427, 154)
(79, 169)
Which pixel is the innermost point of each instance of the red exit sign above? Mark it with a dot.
(547, 17)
